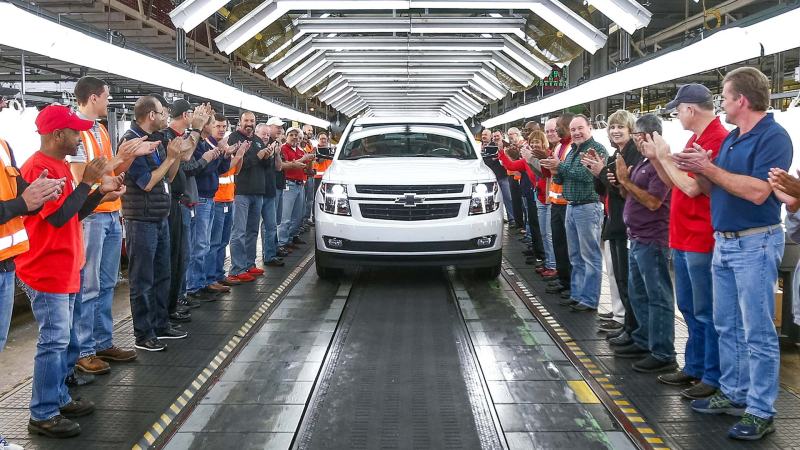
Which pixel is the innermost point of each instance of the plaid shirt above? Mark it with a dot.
(578, 182)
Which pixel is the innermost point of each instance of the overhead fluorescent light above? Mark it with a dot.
(192, 13)
(628, 14)
(33, 33)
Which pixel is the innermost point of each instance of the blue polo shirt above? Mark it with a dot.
(766, 146)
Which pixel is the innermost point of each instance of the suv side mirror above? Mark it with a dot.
(325, 152)
(490, 151)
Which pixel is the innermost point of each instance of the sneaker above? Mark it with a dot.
(623, 340)
(243, 277)
(609, 326)
(615, 334)
(188, 303)
(179, 317)
(751, 428)
(541, 269)
(58, 427)
(5, 445)
(152, 345)
(275, 262)
(182, 309)
(698, 391)
(630, 351)
(718, 404)
(565, 293)
(554, 289)
(117, 354)
(580, 307)
(297, 241)
(651, 364)
(78, 407)
(567, 302)
(282, 251)
(255, 272)
(93, 365)
(605, 316)
(550, 277)
(679, 378)
(548, 273)
(79, 379)
(555, 282)
(172, 333)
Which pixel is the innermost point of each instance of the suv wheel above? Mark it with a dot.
(488, 273)
(323, 271)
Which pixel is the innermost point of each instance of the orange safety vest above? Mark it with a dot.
(13, 238)
(321, 167)
(227, 187)
(94, 150)
(555, 195)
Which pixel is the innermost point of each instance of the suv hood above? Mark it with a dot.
(399, 171)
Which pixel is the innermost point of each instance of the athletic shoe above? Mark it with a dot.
(609, 326)
(718, 404)
(243, 277)
(172, 333)
(228, 281)
(605, 316)
(255, 272)
(151, 345)
(751, 428)
(5, 445)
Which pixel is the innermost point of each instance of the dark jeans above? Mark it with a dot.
(516, 201)
(558, 217)
(619, 258)
(148, 248)
(179, 228)
(532, 213)
(652, 298)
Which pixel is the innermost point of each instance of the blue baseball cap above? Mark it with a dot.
(690, 93)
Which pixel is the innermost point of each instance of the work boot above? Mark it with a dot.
(651, 364)
(93, 365)
(58, 427)
(630, 351)
(623, 340)
(78, 407)
(117, 354)
(698, 391)
(554, 289)
(216, 288)
(679, 378)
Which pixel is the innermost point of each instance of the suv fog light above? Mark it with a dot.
(332, 242)
(485, 241)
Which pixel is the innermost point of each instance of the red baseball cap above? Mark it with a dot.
(58, 117)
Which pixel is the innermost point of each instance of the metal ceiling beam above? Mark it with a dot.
(376, 56)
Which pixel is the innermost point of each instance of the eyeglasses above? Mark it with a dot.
(160, 113)
(639, 134)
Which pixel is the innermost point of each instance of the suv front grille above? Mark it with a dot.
(418, 189)
(430, 211)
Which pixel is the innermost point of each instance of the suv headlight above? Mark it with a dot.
(334, 199)
(485, 198)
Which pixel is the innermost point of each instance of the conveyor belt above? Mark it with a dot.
(401, 374)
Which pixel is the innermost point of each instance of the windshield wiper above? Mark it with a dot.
(353, 158)
(428, 155)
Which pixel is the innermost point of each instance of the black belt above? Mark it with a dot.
(295, 181)
(587, 202)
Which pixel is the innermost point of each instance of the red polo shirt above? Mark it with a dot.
(690, 218)
(292, 154)
(53, 263)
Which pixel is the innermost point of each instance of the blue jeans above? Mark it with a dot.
(200, 244)
(292, 214)
(505, 189)
(309, 201)
(6, 305)
(543, 212)
(694, 295)
(102, 236)
(651, 298)
(220, 237)
(269, 229)
(585, 252)
(56, 348)
(745, 271)
(149, 275)
(278, 205)
(246, 216)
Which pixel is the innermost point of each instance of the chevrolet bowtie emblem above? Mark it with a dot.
(409, 200)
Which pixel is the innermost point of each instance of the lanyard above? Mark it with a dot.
(155, 153)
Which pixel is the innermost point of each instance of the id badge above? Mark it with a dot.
(191, 213)
(166, 187)
(225, 209)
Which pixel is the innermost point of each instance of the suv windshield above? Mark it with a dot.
(404, 141)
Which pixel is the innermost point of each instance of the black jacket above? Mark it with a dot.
(138, 204)
(614, 226)
(252, 178)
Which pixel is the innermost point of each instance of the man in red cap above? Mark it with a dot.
(56, 242)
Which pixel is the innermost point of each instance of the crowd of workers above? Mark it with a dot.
(712, 208)
(187, 189)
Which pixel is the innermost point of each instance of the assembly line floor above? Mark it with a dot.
(388, 359)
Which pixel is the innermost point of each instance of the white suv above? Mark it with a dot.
(408, 192)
